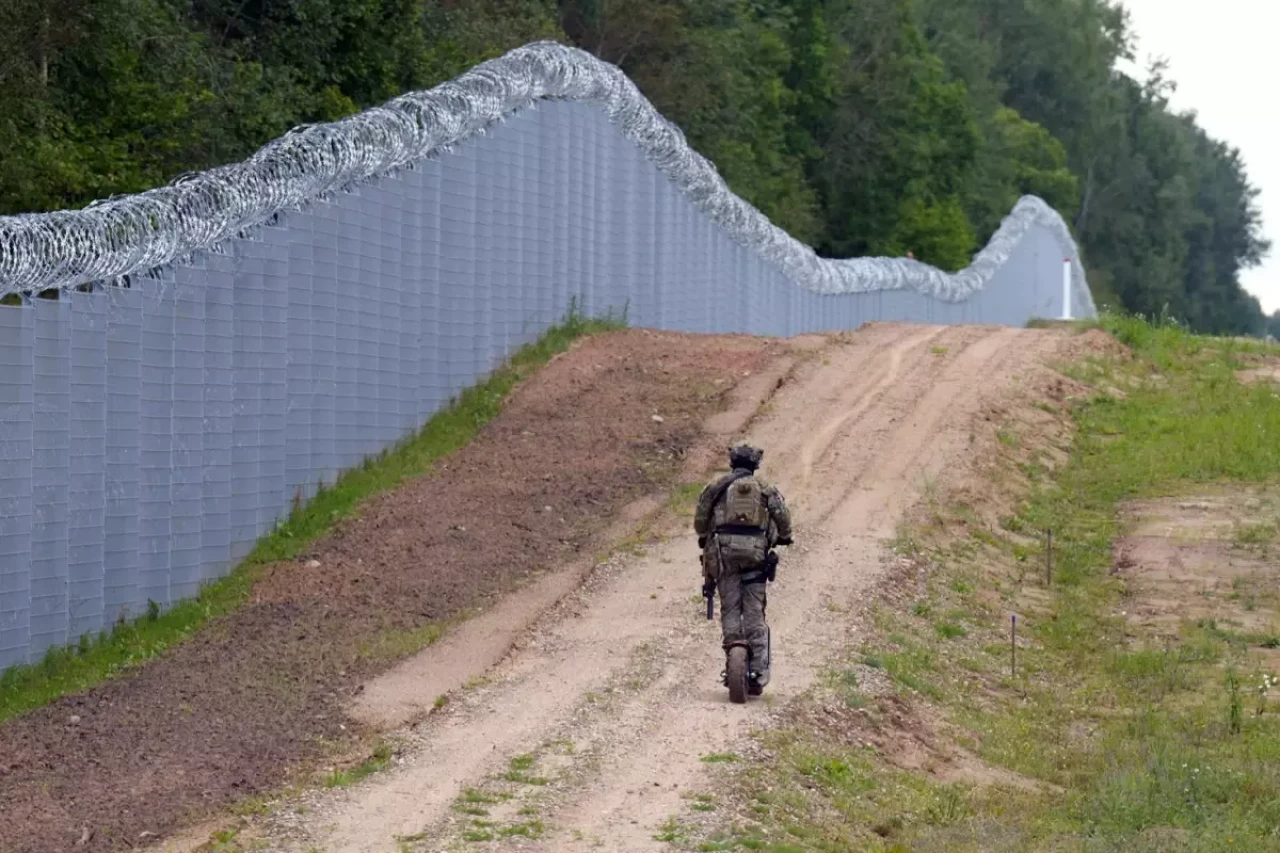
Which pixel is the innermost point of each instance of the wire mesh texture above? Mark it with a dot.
(222, 344)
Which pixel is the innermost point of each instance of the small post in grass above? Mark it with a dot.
(1013, 646)
(1048, 558)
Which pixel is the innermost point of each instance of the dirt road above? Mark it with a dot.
(595, 729)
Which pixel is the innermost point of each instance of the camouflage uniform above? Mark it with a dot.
(741, 579)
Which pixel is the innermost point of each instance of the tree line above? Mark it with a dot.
(861, 126)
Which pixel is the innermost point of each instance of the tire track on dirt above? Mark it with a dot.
(622, 806)
(857, 399)
(851, 440)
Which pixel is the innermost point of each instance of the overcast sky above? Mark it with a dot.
(1223, 57)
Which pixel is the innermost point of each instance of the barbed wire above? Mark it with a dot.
(134, 234)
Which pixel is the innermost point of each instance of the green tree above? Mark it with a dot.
(1017, 157)
(902, 142)
(1166, 217)
(113, 96)
(861, 126)
(715, 68)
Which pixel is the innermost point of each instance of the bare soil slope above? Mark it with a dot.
(235, 710)
(599, 725)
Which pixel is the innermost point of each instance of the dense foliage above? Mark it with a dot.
(861, 126)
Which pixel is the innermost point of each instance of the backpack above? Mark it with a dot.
(744, 506)
(742, 525)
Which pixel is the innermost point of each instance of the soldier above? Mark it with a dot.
(739, 520)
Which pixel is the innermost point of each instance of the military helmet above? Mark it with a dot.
(745, 456)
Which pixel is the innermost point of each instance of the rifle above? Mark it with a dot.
(709, 593)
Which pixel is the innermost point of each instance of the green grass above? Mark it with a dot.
(1177, 750)
(1256, 534)
(528, 829)
(518, 771)
(397, 644)
(914, 666)
(476, 796)
(684, 498)
(375, 763)
(70, 669)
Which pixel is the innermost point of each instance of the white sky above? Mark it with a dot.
(1223, 57)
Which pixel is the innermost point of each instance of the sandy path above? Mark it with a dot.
(615, 694)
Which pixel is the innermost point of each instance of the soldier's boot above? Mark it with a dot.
(760, 677)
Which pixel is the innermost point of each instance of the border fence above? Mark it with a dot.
(187, 360)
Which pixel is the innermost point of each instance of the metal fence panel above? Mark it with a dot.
(50, 471)
(153, 429)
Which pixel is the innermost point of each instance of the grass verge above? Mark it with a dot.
(1103, 732)
(72, 668)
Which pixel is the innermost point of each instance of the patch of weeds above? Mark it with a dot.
(224, 841)
(719, 758)
(402, 643)
(94, 659)
(684, 498)
(938, 350)
(406, 843)
(949, 806)
(251, 806)
(986, 537)
(905, 544)
(847, 679)
(912, 667)
(1033, 471)
(1013, 524)
(478, 796)
(1235, 704)
(518, 771)
(950, 631)
(376, 762)
(563, 745)
(1255, 534)
(1154, 672)
(670, 832)
(531, 829)
(1007, 437)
